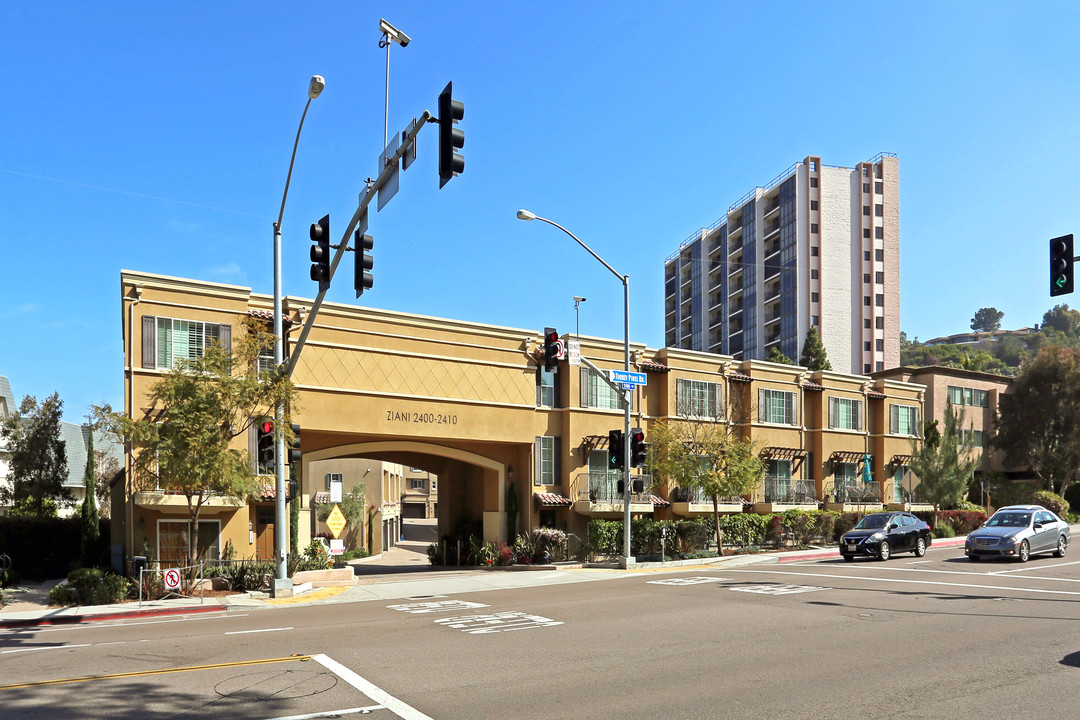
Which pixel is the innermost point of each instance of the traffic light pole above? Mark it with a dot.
(366, 197)
(625, 279)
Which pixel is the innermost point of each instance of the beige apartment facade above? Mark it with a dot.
(470, 405)
(973, 396)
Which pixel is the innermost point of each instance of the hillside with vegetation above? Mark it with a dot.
(1002, 355)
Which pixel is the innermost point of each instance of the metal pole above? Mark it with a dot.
(626, 393)
(281, 570)
(386, 116)
(626, 421)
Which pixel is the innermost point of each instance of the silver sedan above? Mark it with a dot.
(1019, 531)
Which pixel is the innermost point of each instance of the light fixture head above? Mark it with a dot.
(524, 214)
(316, 86)
(579, 299)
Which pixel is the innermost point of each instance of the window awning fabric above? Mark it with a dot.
(552, 500)
(656, 500)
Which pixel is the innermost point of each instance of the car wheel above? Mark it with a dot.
(1062, 546)
(849, 558)
(884, 551)
(920, 547)
(1024, 553)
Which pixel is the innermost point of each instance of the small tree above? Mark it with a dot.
(987, 319)
(813, 352)
(186, 447)
(703, 456)
(944, 468)
(89, 510)
(1038, 424)
(37, 467)
(776, 356)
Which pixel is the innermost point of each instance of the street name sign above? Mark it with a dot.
(628, 378)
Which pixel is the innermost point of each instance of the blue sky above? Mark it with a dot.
(156, 137)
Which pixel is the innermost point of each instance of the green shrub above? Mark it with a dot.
(91, 586)
(62, 594)
(315, 557)
(944, 530)
(1051, 501)
(355, 554)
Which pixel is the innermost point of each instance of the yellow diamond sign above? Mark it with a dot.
(336, 521)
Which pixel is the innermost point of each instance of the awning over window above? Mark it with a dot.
(739, 377)
(783, 453)
(846, 456)
(898, 460)
(656, 500)
(268, 316)
(593, 442)
(813, 386)
(875, 395)
(552, 500)
(653, 366)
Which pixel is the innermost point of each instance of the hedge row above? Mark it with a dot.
(791, 528)
(44, 548)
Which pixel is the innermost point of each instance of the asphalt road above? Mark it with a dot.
(939, 637)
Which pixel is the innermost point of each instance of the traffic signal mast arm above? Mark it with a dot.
(366, 197)
(618, 388)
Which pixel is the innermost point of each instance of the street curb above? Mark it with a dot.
(94, 617)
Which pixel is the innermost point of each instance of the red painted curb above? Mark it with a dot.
(78, 619)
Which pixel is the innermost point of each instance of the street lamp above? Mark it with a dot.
(625, 279)
(280, 520)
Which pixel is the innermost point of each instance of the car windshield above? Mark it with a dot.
(1009, 519)
(872, 522)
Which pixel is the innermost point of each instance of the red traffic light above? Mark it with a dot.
(268, 426)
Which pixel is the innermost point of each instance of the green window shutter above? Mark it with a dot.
(149, 336)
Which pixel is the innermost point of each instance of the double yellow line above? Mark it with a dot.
(144, 673)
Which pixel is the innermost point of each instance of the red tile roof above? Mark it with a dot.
(552, 500)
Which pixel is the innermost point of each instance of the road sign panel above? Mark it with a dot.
(630, 378)
(336, 521)
(172, 579)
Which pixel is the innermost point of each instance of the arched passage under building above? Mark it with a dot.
(472, 487)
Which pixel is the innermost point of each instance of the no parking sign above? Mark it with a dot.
(172, 579)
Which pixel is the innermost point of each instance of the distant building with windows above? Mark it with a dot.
(818, 246)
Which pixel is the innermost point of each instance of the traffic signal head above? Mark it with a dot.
(320, 253)
(553, 349)
(616, 450)
(1061, 265)
(450, 137)
(264, 444)
(639, 449)
(294, 446)
(362, 279)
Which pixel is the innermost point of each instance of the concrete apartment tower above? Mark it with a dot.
(819, 245)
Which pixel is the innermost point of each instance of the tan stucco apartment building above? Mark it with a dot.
(471, 405)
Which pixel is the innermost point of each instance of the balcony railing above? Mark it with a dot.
(854, 491)
(787, 490)
(603, 487)
(699, 496)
